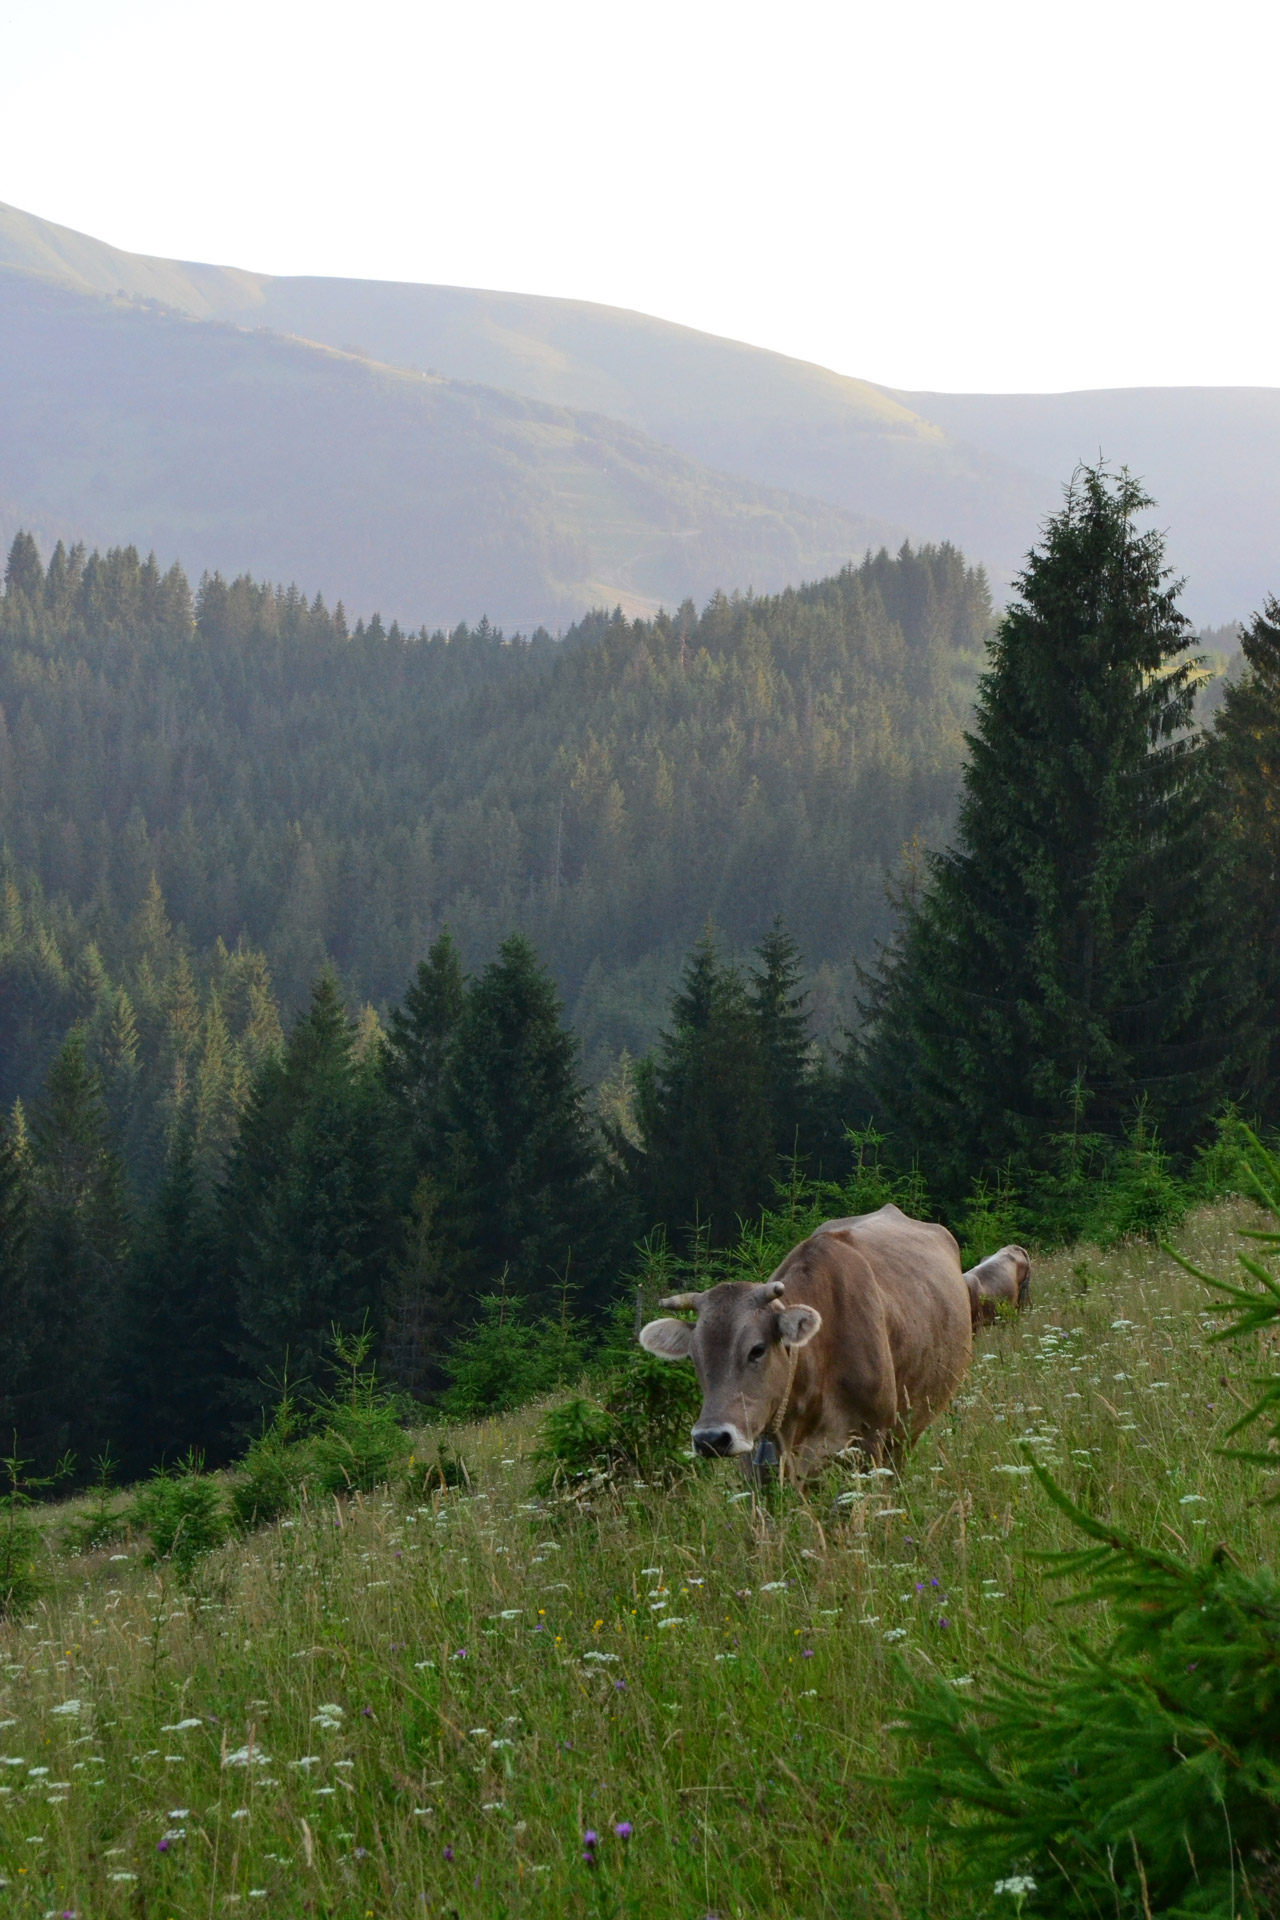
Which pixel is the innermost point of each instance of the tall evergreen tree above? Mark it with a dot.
(419, 1036)
(1070, 946)
(1247, 750)
(175, 1332)
(707, 1134)
(23, 572)
(521, 1187)
(788, 1069)
(15, 1233)
(75, 1254)
(308, 1215)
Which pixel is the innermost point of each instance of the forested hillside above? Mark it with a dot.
(430, 497)
(321, 794)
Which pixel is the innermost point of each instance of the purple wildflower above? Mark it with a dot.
(619, 1686)
(366, 1713)
(807, 1654)
(623, 1829)
(448, 1853)
(162, 1846)
(590, 1838)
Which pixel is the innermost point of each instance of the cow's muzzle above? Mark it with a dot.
(714, 1442)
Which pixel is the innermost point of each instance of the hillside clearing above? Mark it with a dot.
(382, 1708)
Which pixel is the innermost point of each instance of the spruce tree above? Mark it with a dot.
(1070, 947)
(1247, 751)
(308, 1214)
(707, 1135)
(789, 1078)
(23, 571)
(175, 1332)
(419, 1035)
(15, 1233)
(75, 1254)
(521, 1193)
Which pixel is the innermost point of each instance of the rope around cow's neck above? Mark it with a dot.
(774, 1425)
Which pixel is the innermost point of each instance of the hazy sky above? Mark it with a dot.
(961, 196)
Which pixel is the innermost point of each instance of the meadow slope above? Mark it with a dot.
(402, 1706)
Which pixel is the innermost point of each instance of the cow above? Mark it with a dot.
(860, 1337)
(1001, 1277)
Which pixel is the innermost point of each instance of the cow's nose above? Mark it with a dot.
(710, 1441)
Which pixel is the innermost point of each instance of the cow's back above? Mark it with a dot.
(925, 1302)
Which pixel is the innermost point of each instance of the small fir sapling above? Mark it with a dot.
(1141, 1776)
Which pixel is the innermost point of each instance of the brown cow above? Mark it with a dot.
(1003, 1276)
(860, 1337)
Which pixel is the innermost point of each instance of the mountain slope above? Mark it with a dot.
(1210, 455)
(774, 420)
(431, 499)
(978, 469)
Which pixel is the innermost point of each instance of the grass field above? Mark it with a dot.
(387, 1708)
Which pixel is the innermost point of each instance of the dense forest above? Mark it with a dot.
(434, 842)
(335, 796)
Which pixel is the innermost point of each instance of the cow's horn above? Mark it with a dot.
(680, 1300)
(772, 1288)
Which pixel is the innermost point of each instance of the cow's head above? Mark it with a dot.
(741, 1345)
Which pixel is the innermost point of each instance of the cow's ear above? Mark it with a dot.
(797, 1325)
(669, 1339)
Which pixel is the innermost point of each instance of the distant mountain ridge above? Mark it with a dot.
(425, 498)
(857, 460)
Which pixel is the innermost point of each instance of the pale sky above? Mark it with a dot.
(1001, 196)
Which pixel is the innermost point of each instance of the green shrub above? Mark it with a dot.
(1141, 1200)
(506, 1360)
(1222, 1168)
(575, 1441)
(21, 1583)
(21, 1543)
(358, 1442)
(358, 1448)
(640, 1424)
(1140, 1776)
(991, 1219)
(183, 1511)
(272, 1472)
(653, 1406)
(105, 1522)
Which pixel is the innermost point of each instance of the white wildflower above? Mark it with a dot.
(71, 1709)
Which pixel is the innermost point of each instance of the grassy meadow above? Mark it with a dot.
(392, 1707)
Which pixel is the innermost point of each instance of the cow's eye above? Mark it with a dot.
(757, 1353)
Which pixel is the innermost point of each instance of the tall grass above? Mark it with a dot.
(384, 1706)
